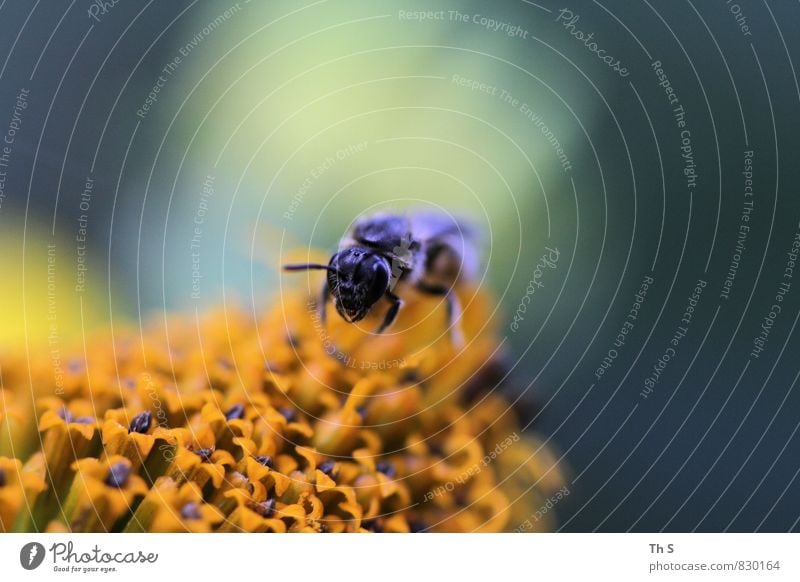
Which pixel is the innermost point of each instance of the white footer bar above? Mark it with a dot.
(387, 557)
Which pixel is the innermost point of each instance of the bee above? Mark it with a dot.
(385, 252)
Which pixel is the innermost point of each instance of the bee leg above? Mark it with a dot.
(453, 310)
(391, 315)
(323, 302)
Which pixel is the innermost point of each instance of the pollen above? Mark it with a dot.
(219, 423)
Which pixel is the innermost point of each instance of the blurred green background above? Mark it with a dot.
(307, 117)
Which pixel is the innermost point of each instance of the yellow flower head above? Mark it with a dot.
(279, 424)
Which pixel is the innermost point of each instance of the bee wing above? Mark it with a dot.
(390, 235)
(461, 237)
(383, 231)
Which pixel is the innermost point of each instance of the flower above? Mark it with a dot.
(17, 488)
(133, 436)
(102, 492)
(198, 459)
(169, 507)
(279, 424)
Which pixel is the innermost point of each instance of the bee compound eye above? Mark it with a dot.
(379, 282)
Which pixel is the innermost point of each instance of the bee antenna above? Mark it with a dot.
(308, 267)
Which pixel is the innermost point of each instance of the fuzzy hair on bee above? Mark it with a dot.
(385, 252)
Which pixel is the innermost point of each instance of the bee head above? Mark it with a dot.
(358, 278)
